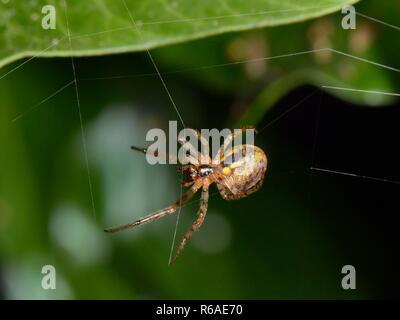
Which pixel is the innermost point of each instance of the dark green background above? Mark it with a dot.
(289, 240)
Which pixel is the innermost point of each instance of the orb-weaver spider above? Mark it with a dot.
(235, 180)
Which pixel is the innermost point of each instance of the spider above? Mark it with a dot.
(234, 180)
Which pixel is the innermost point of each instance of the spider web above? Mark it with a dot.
(78, 105)
(312, 168)
(178, 113)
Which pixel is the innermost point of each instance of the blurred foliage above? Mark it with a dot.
(266, 246)
(269, 61)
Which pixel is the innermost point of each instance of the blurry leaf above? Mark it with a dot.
(239, 62)
(18, 194)
(70, 227)
(271, 95)
(23, 281)
(104, 26)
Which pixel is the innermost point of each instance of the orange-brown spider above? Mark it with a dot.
(235, 180)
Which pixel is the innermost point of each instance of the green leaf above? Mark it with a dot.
(240, 62)
(105, 26)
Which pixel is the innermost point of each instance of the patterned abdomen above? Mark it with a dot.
(243, 175)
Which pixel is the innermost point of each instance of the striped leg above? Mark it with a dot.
(197, 224)
(230, 140)
(167, 157)
(160, 213)
(204, 157)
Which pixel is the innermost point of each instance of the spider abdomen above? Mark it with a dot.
(244, 176)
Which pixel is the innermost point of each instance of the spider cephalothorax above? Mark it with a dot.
(205, 170)
(237, 173)
(191, 172)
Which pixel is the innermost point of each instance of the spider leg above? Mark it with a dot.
(229, 139)
(194, 155)
(160, 213)
(167, 157)
(205, 158)
(201, 138)
(197, 224)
